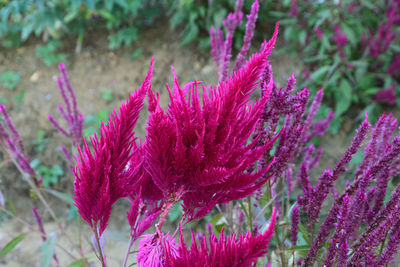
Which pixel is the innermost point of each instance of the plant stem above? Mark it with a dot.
(96, 234)
(34, 229)
(128, 249)
(164, 214)
(278, 241)
(250, 215)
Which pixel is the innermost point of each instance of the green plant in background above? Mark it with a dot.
(93, 122)
(349, 47)
(48, 52)
(50, 175)
(136, 54)
(41, 142)
(197, 16)
(51, 19)
(108, 95)
(10, 79)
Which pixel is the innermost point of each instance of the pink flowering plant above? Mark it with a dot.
(241, 151)
(351, 48)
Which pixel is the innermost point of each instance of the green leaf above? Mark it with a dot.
(20, 97)
(343, 97)
(107, 95)
(10, 245)
(48, 249)
(12, 207)
(349, 33)
(302, 37)
(71, 16)
(78, 263)
(10, 79)
(304, 232)
(298, 248)
(175, 212)
(26, 31)
(320, 73)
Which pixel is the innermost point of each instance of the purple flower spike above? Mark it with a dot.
(340, 234)
(72, 115)
(319, 32)
(294, 8)
(392, 247)
(251, 23)
(231, 22)
(10, 141)
(386, 96)
(41, 229)
(340, 40)
(295, 225)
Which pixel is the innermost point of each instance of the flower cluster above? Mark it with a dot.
(10, 140)
(196, 152)
(359, 218)
(71, 115)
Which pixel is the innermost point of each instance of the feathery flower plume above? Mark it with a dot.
(223, 251)
(155, 249)
(72, 114)
(103, 176)
(199, 154)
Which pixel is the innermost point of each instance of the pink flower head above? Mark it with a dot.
(152, 250)
(294, 8)
(223, 251)
(340, 40)
(104, 175)
(199, 153)
(319, 32)
(388, 96)
(394, 68)
(350, 8)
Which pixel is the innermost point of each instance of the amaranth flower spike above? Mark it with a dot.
(104, 175)
(199, 153)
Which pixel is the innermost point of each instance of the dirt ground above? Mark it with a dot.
(92, 72)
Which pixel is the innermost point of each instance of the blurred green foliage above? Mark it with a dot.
(49, 174)
(196, 17)
(48, 52)
(10, 79)
(51, 19)
(352, 75)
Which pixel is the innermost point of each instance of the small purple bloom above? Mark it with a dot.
(387, 96)
(319, 32)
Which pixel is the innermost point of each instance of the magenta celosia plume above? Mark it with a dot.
(219, 252)
(104, 175)
(199, 153)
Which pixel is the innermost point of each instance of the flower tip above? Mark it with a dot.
(3, 109)
(61, 66)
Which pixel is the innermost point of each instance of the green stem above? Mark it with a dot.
(250, 215)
